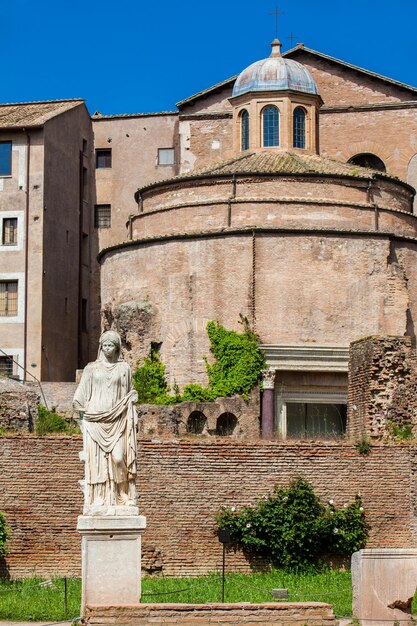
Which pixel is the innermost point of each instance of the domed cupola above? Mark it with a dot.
(275, 105)
(275, 74)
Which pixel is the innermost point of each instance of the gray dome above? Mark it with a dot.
(275, 74)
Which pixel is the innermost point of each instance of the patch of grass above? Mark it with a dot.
(332, 586)
(34, 599)
(31, 600)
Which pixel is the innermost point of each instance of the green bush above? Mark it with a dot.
(4, 534)
(292, 529)
(149, 381)
(197, 393)
(50, 422)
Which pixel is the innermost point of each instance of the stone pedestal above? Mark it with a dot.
(384, 581)
(111, 559)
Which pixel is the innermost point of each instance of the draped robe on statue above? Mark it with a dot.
(106, 396)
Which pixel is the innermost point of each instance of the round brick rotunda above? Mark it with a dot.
(314, 252)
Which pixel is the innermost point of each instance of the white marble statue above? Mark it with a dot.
(105, 399)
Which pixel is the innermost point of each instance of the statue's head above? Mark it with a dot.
(110, 337)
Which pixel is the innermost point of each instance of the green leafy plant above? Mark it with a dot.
(4, 534)
(292, 528)
(237, 367)
(197, 393)
(50, 422)
(363, 446)
(150, 383)
(238, 360)
(402, 432)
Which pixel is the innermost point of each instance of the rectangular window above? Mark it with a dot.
(311, 414)
(102, 215)
(103, 158)
(5, 158)
(85, 146)
(315, 420)
(166, 156)
(6, 366)
(8, 298)
(9, 235)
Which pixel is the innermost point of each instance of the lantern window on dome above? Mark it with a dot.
(299, 128)
(244, 130)
(270, 126)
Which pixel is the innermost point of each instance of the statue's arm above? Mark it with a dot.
(82, 393)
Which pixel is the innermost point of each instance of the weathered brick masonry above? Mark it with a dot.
(182, 484)
(280, 614)
(382, 386)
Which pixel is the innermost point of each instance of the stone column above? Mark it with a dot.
(267, 415)
(111, 559)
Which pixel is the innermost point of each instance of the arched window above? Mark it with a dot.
(196, 423)
(299, 128)
(244, 130)
(226, 423)
(368, 160)
(270, 126)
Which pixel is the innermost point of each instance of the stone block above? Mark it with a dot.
(384, 582)
(111, 559)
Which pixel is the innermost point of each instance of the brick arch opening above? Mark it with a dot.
(196, 423)
(226, 424)
(368, 159)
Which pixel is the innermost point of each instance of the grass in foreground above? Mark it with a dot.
(334, 587)
(37, 599)
(32, 599)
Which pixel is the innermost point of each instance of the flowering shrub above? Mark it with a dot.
(291, 528)
(4, 534)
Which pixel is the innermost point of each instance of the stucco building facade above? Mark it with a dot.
(46, 191)
(284, 194)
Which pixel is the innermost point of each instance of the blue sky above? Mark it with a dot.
(130, 56)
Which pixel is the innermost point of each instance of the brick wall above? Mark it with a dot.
(182, 484)
(382, 386)
(280, 614)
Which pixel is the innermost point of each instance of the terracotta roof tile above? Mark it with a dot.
(302, 48)
(266, 162)
(99, 116)
(29, 114)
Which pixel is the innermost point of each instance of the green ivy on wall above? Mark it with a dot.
(237, 367)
